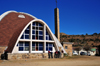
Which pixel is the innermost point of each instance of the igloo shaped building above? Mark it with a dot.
(23, 33)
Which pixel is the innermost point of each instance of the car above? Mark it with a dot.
(75, 53)
(88, 54)
(82, 53)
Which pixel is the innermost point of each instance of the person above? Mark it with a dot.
(51, 54)
(59, 54)
(48, 53)
(62, 51)
(2, 56)
(56, 54)
(62, 55)
(6, 55)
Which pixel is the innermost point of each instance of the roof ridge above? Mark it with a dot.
(7, 12)
(4, 14)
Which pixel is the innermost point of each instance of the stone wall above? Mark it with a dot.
(69, 49)
(20, 56)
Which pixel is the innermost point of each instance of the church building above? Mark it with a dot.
(23, 33)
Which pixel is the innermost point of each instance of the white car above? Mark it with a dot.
(75, 53)
(88, 54)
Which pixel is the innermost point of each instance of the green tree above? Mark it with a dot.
(77, 49)
(82, 35)
(86, 34)
(87, 47)
(94, 33)
(72, 40)
(91, 40)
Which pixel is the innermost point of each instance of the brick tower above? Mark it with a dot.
(57, 30)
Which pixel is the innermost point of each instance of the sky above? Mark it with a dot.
(77, 17)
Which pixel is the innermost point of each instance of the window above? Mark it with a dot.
(36, 23)
(49, 46)
(26, 31)
(40, 25)
(33, 46)
(48, 36)
(40, 32)
(28, 27)
(40, 37)
(40, 46)
(33, 36)
(23, 46)
(66, 47)
(33, 31)
(33, 23)
(37, 31)
(40, 28)
(26, 34)
(37, 46)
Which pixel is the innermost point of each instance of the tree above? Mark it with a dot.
(77, 49)
(63, 35)
(97, 40)
(86, 34)
(72, 40)
(82, 35)
(87, 47)
(92, 45)
(99, 33)
(94, 33)
(91, 40)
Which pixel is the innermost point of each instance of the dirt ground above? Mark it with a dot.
(67, 61)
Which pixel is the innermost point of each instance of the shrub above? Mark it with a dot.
(65, 54)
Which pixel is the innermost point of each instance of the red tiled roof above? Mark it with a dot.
(10, 28)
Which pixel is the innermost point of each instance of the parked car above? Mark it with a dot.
(75, 53)
(82, 53)
(88, 54)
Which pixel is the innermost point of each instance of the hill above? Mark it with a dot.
(81, 40)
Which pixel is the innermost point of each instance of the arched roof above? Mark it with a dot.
(11, 26)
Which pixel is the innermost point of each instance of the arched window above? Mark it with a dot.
(37, 31)
(36, 38)
(26, 33)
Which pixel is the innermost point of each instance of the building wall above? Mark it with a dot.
(68, 49)
(22, 56)
(2, 48)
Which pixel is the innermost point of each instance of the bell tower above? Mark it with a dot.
(56, 16)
